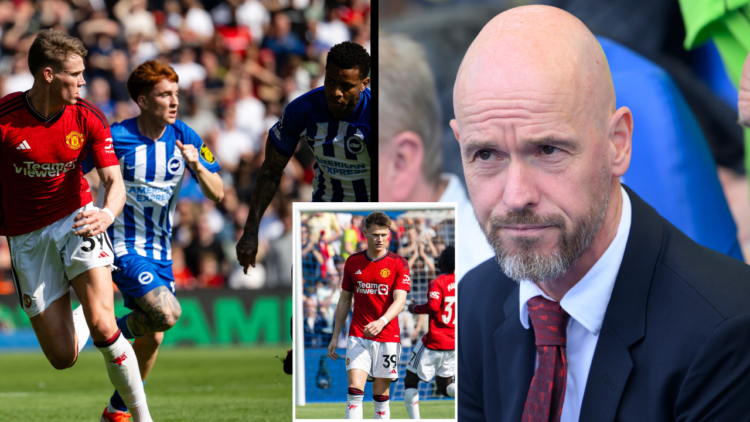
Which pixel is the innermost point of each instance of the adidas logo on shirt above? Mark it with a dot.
(103, 255)
(23, 145)
(358, 272)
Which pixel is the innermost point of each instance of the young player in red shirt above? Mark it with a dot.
(378, 280)
(57, 238)
(435, 353)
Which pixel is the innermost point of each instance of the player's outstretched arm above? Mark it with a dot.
(266, 186)
(342, 310)
(374, 328)
(93, 223)
(210, 183)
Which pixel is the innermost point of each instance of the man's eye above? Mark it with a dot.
(484, 155)
(549, 150)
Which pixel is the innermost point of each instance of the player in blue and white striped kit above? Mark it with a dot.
(334, 122)
(154, 150)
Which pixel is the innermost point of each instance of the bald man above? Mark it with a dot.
(595, 308)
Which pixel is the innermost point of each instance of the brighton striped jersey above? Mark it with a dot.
(152, 173)
(341, 146)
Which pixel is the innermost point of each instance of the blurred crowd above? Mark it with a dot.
(240, 62)
(328, 239)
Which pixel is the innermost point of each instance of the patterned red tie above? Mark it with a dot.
(545, 399)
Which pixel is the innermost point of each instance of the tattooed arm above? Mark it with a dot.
(265, 188)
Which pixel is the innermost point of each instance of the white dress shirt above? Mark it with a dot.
(586, 303)
(471, 245)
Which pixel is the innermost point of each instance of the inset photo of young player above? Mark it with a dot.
(375, 311)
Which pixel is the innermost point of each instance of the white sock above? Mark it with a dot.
(122, 367)
(451, 390)
(81, 327)
(411, 401)
(382, 409)
(354, 406)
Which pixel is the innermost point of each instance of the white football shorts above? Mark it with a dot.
(44, 261)
(427, 363)
(379, 360)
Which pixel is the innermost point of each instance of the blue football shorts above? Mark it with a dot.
(139, 275)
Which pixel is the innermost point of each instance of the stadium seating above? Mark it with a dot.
(671, 166)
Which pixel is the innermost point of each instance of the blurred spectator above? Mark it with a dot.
(183, 277)
(198, 22)
(232, 144)
(281, 40)
(279, 260)
(254, 15)
(331, 30)
(98, 93)
(20, 79)
(312, 260)
(250, 112)
(188, 70)
(210, 277)
(204, 243)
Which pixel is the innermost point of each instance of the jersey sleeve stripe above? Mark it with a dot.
(14, 102)
(104, 121)
(2, 114)
(95, 109)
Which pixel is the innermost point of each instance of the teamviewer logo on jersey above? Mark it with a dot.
(372, 288)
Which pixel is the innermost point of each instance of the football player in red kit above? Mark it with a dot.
(378, 280)
(435, 353)
(57, 238)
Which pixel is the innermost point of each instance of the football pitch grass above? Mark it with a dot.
(186, 384)
(428, 409)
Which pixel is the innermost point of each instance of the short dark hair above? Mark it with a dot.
(51, 48)
(349, 55)
(377, 219)
(447, 261)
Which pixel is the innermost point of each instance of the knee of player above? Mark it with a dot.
(63, 360)
(172, 316)
(411, 380)
(443, 383)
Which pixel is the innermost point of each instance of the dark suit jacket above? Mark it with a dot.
(674, 344)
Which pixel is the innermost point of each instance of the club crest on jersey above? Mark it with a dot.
(174, 165)
(74, 140)
(355, 145)
(385, 272)
(27, 300)
(206, 154)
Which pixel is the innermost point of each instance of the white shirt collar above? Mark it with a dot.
(587, 301)
(454, 191)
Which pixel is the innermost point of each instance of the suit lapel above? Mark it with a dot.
(516, 351)
(625, 320)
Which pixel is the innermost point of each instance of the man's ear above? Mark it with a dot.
(47, 73)
(620, 135)
(142, 102)
(402, 166)
(365, 82)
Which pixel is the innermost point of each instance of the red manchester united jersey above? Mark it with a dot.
(441, 306)
(373, 283)
(40, 164)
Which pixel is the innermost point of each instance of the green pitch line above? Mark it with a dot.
(225, 384)
(428, 409)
